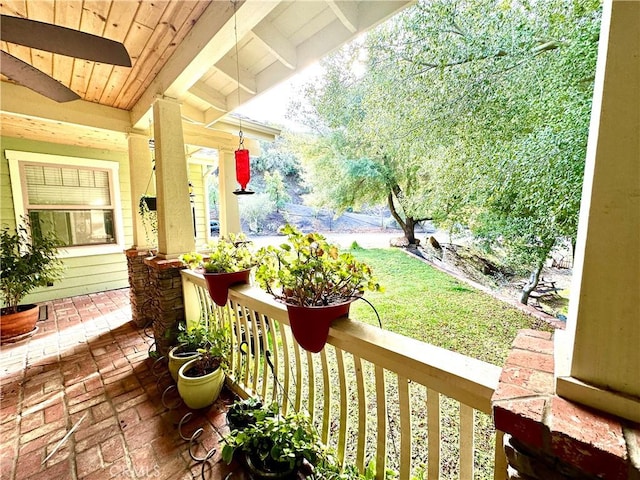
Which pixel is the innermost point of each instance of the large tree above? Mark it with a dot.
(483, 107)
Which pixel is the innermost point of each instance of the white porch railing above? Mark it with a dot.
(413, 407)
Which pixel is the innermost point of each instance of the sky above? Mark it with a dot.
(271, 106)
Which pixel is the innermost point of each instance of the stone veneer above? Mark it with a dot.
(139, 292)
(167, 303)
(550, 438)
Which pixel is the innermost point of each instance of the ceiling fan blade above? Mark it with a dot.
(62, 40)
(30, 77)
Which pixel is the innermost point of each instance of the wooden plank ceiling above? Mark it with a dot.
(180, 49)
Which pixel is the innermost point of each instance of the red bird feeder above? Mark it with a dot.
(243, 171)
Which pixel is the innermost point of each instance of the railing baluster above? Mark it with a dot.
(298, 381)
(242, 316)
(342, 430)
(500, 462)
(287, 371)
(466, 441)
(326, 408)
(362, 414)
(251, 333)
(261, 348)
(381, 406)
(433, 429)
(275, 357)
(311, 382)
(236, 352)
(405, 428)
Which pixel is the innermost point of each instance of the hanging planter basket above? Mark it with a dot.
(310, 325)
(218, 284)
(150, 202)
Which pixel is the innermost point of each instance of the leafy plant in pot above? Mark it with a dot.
(28, 261)
(190, 340)
(243, 413)
(276, 447)
(227, 261)
(200, 380)
(316, 282)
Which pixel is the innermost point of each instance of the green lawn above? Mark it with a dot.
(422, 302)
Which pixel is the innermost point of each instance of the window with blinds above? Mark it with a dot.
(75, 203)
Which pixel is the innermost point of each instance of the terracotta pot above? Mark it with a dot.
(20, 323)
(177, 359)
(199, 392)
(218, 284)
(310, 325)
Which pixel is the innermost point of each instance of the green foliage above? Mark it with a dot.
(28, 262)
(308, 271)
(276, 189)
(277, 440)
(255, 209)
(249, 411)
(226, 254)
(212, 342)
(276, 157)
(194, 337)
(470, 112)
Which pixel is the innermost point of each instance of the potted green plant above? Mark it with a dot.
(227, 261)
(276, 447)
(28, 261)
(200, 380)
(316, 282)
(190, 340)
(243, 413)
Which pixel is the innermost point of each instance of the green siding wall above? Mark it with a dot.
(87, 274)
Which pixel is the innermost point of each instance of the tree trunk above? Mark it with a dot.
(407, 225)
(534, 278)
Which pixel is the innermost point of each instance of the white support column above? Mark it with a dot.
(140, 172)
(603, 331)
(175, 224)
(228, 203)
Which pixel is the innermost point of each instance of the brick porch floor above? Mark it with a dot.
(88, 367)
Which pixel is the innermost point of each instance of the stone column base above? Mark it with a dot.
(167, 303)
(139, 291)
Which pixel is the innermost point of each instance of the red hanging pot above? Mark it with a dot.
(218, 284)
(310, 325)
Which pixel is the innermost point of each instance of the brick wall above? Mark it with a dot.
(550, 438)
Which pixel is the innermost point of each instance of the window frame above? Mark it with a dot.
(17, 159)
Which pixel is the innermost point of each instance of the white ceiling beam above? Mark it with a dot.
(208, 41)
(205, 137)
(347, 13)
(21, 101)
(192, 114)
(212, 115)
(228, 67)
(209, 95)
(277, 44)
